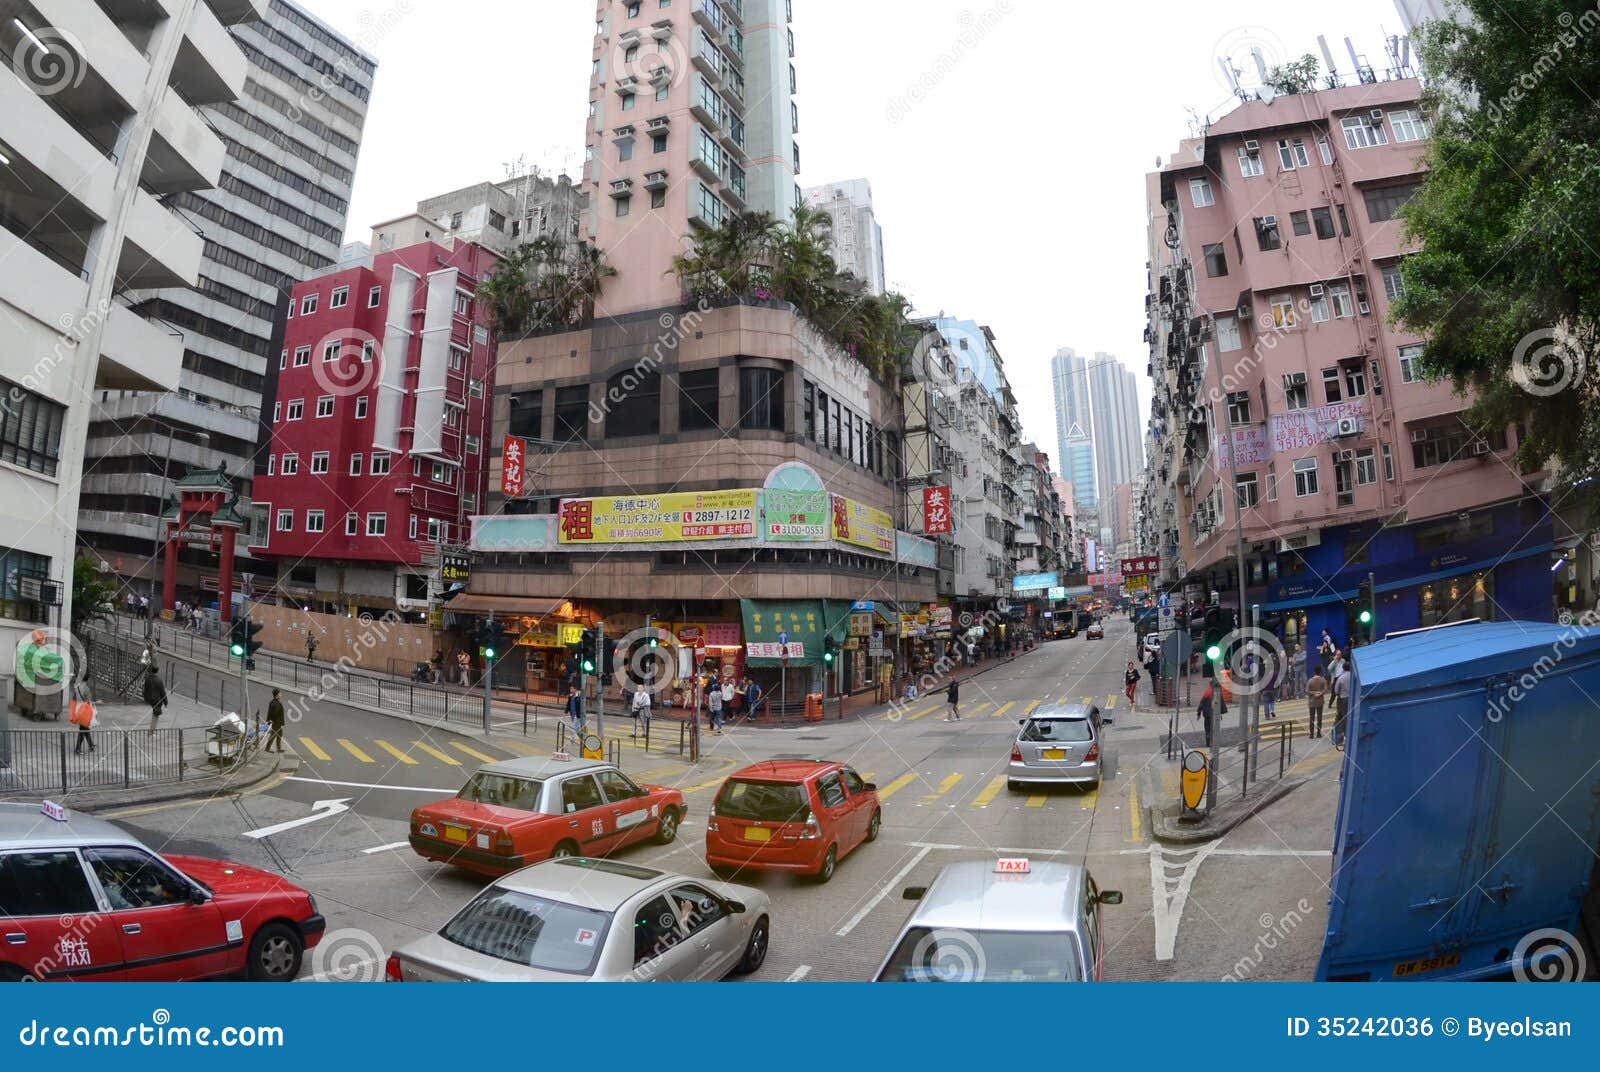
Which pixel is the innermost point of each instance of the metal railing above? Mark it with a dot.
(49, 761)
(1239, 767)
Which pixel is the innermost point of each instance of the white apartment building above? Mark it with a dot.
(857, 239)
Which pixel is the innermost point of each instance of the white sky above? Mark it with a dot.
(1012, 193)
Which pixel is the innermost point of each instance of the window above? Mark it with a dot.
(325, 406)
(1385, 203)
(283, 360)
(629, 100)
(1366, 466)
(822, 418)
(330, 351)
(633, 8)
(1323, 221)
(1227, 334)
(352, 524)
(761, 399)
(339, 298)
(380, 464)
(1292, 154)
(134, 879)
(377, 524)
(411, 528)
(1319, 303)
(277, 412)
(314, 520)
(1295, 394)
(1330, 386)
(1239, 408)
(302, 357)
(308, 305)
(1360, 133)
(624, 150)
(285, 520)
(527, 414)
(698, 394)
(416, 467)
(1216, 260)
(440, 474)
(291, 465)
(1200, 193)
(1247, 491)
(1283, 317)
(1344, 221)
(474, 445)
(1393, 284)
(1388, 463)
(355, 465)
(1267, 236)
(624, 206)
(297, 409)
(1305, 477)
(14, 567)
(1324, 149)
(1300, 223)
(319, 463)
(463, 303)
(658, 199)
(1409, 125)
(1250, 163)
(47, 882)
(1355, 380)
(658, 143)
(361, 408)
(634, 404)
(1411, 364)
(835, 426)
(475, 388)
(374, 296)
(272, 464)
(572, 414)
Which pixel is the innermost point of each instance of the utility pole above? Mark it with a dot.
(600, 682)
(489, 654)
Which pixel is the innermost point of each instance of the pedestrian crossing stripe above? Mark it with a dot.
(977, 708)
(317, 753)
(1037, 800)
(395, 752)
(986, 796)
(949, 783)
(1031, 708)
(436, 754)
(898, 784)
(473, 752)
(350, 747)
(1001, 710)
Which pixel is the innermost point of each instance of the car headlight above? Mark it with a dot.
(311, 901)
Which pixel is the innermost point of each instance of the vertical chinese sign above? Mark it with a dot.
(512, 473)
(936, 518)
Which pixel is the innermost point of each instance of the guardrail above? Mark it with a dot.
(48, 761)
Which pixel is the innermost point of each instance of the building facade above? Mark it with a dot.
(503, 215)
(291, 139)
(856, 238)
(379, 419)
(101, 141)
(1285, 394)
(1118, 445)
(1069, 379)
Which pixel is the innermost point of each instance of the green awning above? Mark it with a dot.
(807, 622)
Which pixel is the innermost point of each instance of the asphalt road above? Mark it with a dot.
(1251, 906)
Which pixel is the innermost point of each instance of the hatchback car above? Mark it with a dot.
(521, 811)
(1057, 743)
(1002, 921)
(791, 815)
(582, 920)
(80, 899)
(1095, 632)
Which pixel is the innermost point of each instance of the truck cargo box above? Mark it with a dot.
(1469, 811)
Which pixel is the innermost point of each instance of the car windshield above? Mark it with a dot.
(1056, 729)
(531, 932)
(503, 791)
(925, 955)
(763, 802)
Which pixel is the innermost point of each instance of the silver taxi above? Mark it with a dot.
(1000, 921)
(1057, 743)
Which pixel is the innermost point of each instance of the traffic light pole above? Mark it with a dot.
(488, 677)
(600, 682)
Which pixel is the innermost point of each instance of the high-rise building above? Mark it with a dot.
(854, 232)
(102, 141)
(1118, 440)
(278, 213)
(1074, 424)
(512, 212)
(691, 120)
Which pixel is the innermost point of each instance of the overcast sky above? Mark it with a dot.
(1006, 140)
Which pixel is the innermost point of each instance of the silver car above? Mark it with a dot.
(1002, 921)
(1057, 743)
(580, 920)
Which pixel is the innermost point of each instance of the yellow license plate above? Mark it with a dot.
(757, 833)
(1408, 968)
(455, 833)
(1055, 753)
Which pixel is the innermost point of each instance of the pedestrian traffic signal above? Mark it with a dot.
(608, 660)
(242, 642)
(587, 657)
(830, 651)
(491, 639)
(1366, 610)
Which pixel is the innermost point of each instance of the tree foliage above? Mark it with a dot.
(544, 286)
(92, 596)
(1506, 284)
(1300, 76)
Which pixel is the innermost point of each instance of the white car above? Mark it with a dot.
(1150, 646)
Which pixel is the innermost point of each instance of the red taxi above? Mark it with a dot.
(521, 811)
(80, 899)
(791, 815)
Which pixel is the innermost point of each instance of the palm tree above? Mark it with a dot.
(540, 286)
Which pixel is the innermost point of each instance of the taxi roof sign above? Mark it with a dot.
(52, 810)
(561, 757)
(1011, 865)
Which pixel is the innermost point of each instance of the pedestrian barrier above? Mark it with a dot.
(51, 761)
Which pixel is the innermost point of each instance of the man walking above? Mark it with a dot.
(1341, 704)
(752, 697)
(575, 712)
(952, 697)
(1316, 695)
(81, 714)
(155, 694)
(641, 711)
(714, 705)
(275, 721)
(311, 645)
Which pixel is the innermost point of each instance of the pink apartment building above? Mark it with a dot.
(1275, 249)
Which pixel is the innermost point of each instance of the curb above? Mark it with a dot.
(254, 773)
(1165, 827)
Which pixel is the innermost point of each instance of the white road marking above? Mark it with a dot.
(883, 891)
(1168, 904)
(322, 809)
(368, 785)
(799, 973)
(386, 848)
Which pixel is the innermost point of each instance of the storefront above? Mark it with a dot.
(784, 641)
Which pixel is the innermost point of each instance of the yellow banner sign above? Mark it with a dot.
(862, 525)
(679, 517)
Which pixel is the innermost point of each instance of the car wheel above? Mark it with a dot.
(667, 827)
(11, 974)
(829, 862)
(875, 827)
(275, 954)
(564, 850)
(755, 950)
(724, 872)
(1012, 785)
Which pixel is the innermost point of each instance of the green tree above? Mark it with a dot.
(92, 596)
(1506, 284)
(1299, 76)
(544, 286)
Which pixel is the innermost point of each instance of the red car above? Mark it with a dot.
(516, 813)
(1095, 632)
(80, 899)
(791, 815)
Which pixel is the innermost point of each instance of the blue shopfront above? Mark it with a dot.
(1492, 564)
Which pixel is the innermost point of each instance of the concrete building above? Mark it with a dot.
(101, 142)
(857, 239)
(1118, 444)
(503, 215)
(379, 421)
(1284, 392)
(291, 139)
(1069, 378)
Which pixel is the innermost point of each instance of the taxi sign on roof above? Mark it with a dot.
(1016, 865)
(53, 810)
(561, 757)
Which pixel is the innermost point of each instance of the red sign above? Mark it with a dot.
(512, 456)
(936, 518)
(1141, 566)
(1011, 866)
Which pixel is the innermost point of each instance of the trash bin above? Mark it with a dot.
(813, 707)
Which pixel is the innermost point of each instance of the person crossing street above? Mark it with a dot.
(275, 720)
(952, 697)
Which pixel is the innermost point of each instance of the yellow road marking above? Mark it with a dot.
(1031, 708)
(1135, 819)
(517, 747)
(473, 752)
(1111, 701)
(354, 751)
(990, 791)
(949, 783)
(1088, 701)
(1002, 709)
(923, 713)
(975, 708)
(898, 784)
(436, 754)
(1091, 799)
(395, 752)
(1037, 800)
(311, 746)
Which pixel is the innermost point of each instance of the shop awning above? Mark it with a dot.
(521, 606)
(807, 622)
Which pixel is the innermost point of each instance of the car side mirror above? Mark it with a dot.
(736, 907)
(197, 896)
(1022, 722)
(1110, 897)
(913, 893)
(869, 787)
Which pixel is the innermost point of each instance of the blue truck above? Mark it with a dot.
(1467, 840)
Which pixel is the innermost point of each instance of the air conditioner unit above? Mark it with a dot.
(1294, 379)
(1251, 145)
(1347, 455)
(1479, 449)
(1377, 115)
(1317, 290)
(1419, 435)
(1348, 426)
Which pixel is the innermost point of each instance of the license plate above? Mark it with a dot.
(456, 833)
(1408, 968)
(757, 833)
(1054, 753)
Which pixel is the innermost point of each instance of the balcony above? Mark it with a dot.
(709, 15)
(138, 354)
(185, 153)
(107, 58)
(209, 67)
(709, 61)
(161, 248)
(705, 167)
(661, 29)
(233, 12)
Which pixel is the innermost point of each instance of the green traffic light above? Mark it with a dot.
(588, 666)
(237, 649)
(488, 653)
(1213, 653)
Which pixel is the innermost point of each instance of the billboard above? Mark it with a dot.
(936, 517)
(795, 515)
(1028, 582)
(862, 525)
(677, 517)
(512, 456)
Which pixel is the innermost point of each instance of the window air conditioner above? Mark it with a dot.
(1348, 426)
(1317, 290)
(1251, 145)
(1294, 379)
(1377, 115)
(1479, 449)
(1347, 455)
(1419, 435)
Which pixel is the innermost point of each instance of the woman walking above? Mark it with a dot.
(1130, 684)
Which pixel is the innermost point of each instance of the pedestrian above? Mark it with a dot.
(1336, 665)
(1269, 690)
(81, 714)
(1327, 649)
(311, 645)
(1316, 696)
(197, 616)
(1297, 673)
(155, 694)
(1130, 683)
(275, 720)
(1341, 705)
(952, 697)
(144, 607)
(575, 712)
(641, 711)
(752, 697)
(714, 704)
(463, 668)
(1206, 711)
(731, 697)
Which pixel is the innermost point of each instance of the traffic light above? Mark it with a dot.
(242, 642)
(237, 639)
(587, 657)
(608, 661)
(1217, 625)
(491, 639)
(830, 650)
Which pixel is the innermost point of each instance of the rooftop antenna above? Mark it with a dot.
(1231, 74)
(1261, 63)
(1363, 69)
(1327, 58)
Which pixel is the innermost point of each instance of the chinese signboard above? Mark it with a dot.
(936, 517)
(1293, 432)
(1058, 592)
(861, 624)
(1104, 580)
(455, 569)
(1144, 564)
(796, 515)
(1029, 582)
(859, 524)
(672, 518)
(513, 476)
(1137, 583)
